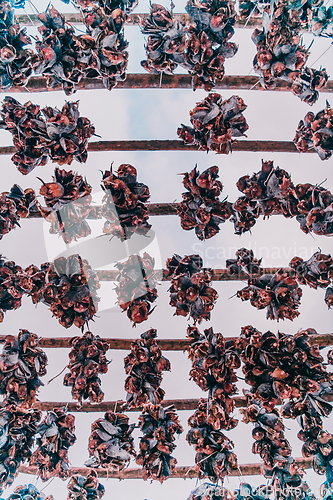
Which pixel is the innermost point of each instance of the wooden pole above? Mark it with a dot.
(179, 404)
(132, 20)
(175, 145)
(321, 339)
(185, 472)
(149, 81)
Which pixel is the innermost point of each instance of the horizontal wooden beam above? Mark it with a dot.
(154, 209)
(132, 20)
(149, 81)
(216, 274)
(185, 471)
(174, 145)
(179, 404)
(322, 339)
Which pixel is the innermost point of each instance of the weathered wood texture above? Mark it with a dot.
(185, 471)
(174, 145)
(322, 339)
(148, 81)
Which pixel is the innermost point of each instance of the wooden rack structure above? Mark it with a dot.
(147, 81)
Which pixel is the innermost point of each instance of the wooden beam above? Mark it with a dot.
(149, 81)
(217, 274)
(179, 404)
(174, 145)
(321, 339)
(132, 20)
(185, 472)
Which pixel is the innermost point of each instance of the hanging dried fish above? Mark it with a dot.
(208, 45)
(215, 122)
(166, 41)
(159, 426)
(272, 446)
(214, 362)
(279, 293)
(125, 203)
(244, 262)
(315, 272)
(201, 208)
(280, 55)
(16, 204)
(60, 52)
(85, 488)
(22, 362)
(16, 61)
(68, 200)
(249, 9)
(315, 132)
(14, 283)
(28, 492)
(207, 491)
(57, 434)
(87, 360)
(111, 442)
(144, 366)
(37, 277)
(320, 449)
(61, 135)
(18, 428)
(214, 458)
(136, 288)
(315, 209)
(71, 291)
(190, 290)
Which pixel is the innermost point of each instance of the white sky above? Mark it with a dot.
(156, 114)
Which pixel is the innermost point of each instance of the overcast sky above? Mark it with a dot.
(156, 114)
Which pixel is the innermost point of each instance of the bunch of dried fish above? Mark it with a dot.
(201, 208)
(61, 135)
(245, 213)
(280, 55)
(18, 428)
(214, 458)
(207, 491)
(22, 362)
(85, 488)
(68, 202)
(166, 41)
(279, 293)
(144, 366)
(208, 43)
(159, 426)
(272, 445)
(215, 122)
(111, 442)
(315, 272)
(108, 46)
(271, 188)
(16, 204)
(244, 262)
(71, 291)
(15, 60)
(37, 277)
(315, 209)
(322, 21)
(57, 434)
(13, 284)
(136, 288)
(87, 360)
(125, 203)
(60, 52)
(28, 492)
(320, 449)
(190, 292)
(315, 131)
(214, 362)
(286, 367)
